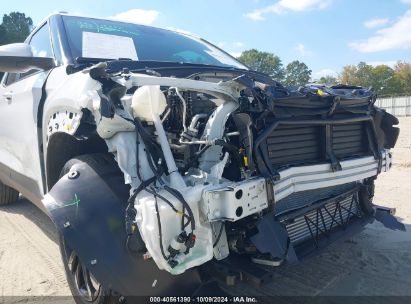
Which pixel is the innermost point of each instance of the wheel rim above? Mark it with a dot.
(86, 284)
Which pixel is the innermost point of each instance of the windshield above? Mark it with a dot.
(95, 38)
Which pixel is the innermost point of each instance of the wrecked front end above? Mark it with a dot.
(226, 170)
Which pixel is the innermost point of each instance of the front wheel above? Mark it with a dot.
(83, 285)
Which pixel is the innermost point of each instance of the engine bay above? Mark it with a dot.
(222, 164)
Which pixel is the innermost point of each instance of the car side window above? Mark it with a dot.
(10, 78)
(40, 43)
(41, 46)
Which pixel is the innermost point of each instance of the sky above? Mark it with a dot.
(325, 34)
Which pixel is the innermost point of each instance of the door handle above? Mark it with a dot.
(8, 96)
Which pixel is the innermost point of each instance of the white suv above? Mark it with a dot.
(160, 157)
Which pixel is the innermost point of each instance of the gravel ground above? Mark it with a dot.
(375, 262)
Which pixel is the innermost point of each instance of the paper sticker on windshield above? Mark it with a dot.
(97, 45)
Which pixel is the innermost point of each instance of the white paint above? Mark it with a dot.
(18, 133)
(233, 201)
(108, 127)
(63, 121)
(16, 49)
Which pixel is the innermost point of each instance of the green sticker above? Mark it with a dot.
(73, 202)
(105, 28)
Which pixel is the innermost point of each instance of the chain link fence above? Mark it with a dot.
(398, 106)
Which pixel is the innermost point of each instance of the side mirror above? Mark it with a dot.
(18, 58)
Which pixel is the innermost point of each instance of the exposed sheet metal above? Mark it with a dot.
(234, 201)
(223, 90)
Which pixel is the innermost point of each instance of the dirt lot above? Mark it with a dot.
(375, 262)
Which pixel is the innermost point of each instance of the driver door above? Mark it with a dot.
(20, 96)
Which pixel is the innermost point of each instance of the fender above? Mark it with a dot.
(88, 209)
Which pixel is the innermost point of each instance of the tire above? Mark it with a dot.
(7, 195)
(100, 162)
(84, 287)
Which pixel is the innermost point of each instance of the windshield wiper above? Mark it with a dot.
(81, 60)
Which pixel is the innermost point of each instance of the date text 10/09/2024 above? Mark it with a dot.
(236, 299)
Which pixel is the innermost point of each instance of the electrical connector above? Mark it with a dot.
(177, 243)
(190, 242)
(172, 263)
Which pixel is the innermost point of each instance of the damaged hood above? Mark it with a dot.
(170, 69)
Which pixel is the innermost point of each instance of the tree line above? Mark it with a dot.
(386, 81)
(16, 26)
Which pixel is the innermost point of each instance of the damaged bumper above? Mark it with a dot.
(234, 201)
(83, 217)
(295, 181)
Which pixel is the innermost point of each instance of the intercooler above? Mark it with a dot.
(322, 217)
(302, 199)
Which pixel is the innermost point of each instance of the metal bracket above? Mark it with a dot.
(372, 141)
(335, 164)
(334, 106)
(269, 184)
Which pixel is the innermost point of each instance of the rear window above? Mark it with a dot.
(94, 38)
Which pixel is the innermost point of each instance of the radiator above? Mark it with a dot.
(306, 144)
